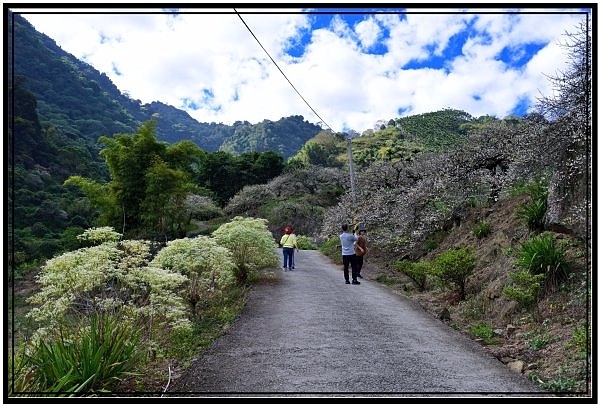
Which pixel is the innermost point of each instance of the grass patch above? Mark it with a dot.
(483, 331)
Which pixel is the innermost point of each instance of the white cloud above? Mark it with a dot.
(213, 62)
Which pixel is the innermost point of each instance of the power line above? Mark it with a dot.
(286, 78)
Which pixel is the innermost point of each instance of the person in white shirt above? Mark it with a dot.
(348, 257)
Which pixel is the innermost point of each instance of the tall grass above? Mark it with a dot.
(542, 255)
(93, 362)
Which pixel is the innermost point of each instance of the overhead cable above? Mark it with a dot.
(286, 78)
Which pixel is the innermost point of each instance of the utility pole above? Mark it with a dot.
(351, 168)
(351, 134)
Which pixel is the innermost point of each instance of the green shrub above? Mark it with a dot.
(304, 243)
(416, 271)
(455, 266)
(560, 385)
(332, 249)
(209, 268)
(540, 341)
(542, 255)
(111, 277)
(94, 361)
(482, 229)
(524, 288)
(533, 213)
(251, 244)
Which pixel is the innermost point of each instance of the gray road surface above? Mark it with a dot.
(311, 334)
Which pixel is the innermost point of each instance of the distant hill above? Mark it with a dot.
(82, 102)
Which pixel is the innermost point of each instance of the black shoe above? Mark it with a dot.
(347, 282)
(355, 282)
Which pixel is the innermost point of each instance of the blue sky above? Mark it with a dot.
(354, 67)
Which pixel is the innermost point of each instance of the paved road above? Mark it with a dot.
(311, 334)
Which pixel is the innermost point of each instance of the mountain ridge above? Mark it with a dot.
(84, 102)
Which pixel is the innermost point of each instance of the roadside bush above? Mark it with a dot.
(524, 288)
(542, 255)
(580, 342)
(111, 277)
(251, 244)
(434, 240)
(94, 360)
(417, 271)
(455, 266)
(305, 243)
(332, 249)
(208, 266)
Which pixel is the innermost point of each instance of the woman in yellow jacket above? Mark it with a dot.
(289, 243)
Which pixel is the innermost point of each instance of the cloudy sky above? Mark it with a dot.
(349, 67)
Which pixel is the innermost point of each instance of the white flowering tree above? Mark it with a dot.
(208, 267)
(113, 277)
(251, 243)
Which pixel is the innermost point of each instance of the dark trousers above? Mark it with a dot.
(350, 261)
(359, 263)
(288, 257)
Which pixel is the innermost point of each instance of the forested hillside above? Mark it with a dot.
(60, 109)
(78, 100)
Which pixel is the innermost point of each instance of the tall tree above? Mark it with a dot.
(149, 183)
(570, 109)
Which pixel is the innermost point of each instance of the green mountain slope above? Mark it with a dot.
(83, 102)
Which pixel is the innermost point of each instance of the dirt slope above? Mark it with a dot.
(542, 343)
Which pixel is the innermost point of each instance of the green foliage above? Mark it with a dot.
(539, 342)
(524, 288)
(484, 331)
(331, 247)
(482, 229)
(112, 276)
(98, 235)
(564, 385)
(93, 361)
(434, 240)
(476, 307)
(418, 272)
(251, 244)
(455, 266)
(321, 150)
(533, 212)
(285, 136)
(580, 341)
(226, 174)
(541, 255)
(209, 269)
(305, 243)
(437, 131)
